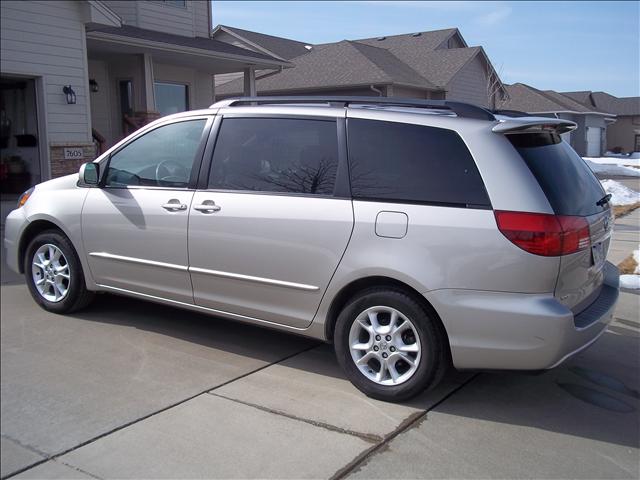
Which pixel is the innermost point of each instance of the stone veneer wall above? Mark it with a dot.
(61, 167)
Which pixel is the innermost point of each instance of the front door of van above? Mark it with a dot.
(268, 233)
(135, 227)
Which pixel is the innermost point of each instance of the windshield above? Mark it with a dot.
(566, 179)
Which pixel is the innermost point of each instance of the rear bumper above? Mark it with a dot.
(496, 330)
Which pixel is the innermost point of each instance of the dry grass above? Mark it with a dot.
(622, 210)
(628, 265)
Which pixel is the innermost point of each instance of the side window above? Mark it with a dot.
(412, 163)
(275, 155)
(163, 157)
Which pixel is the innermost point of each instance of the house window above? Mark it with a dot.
(171, 97)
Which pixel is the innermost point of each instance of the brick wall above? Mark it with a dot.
(61, 167)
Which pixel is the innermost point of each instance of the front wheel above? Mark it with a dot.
(54, 274)
(389, 345)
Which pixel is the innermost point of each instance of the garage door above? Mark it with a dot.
(594, 137)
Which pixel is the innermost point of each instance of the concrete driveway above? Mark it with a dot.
(128, 389)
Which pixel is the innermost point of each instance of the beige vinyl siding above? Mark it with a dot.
(470, 83)
(164, 17)
(125, 9)
(46, 39)
(201, 18)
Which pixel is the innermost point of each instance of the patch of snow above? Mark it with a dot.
(632, 155)
(607, 169)
(620, 194)
(630, 281)
(636, 257)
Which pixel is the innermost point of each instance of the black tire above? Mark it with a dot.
(77, 296)
(434, 350)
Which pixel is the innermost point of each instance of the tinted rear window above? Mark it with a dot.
(567, 181)
(412, 163)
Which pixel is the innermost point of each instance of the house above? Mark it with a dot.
(431, 65)
(589, 139)
(77, 76)
(624, 134)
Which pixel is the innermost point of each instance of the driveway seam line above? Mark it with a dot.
(78, 469)
(368, 437)
(405, 426)
(145, 417)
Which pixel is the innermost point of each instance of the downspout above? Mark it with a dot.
(377, 90)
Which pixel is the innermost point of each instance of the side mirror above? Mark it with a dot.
(89, 174)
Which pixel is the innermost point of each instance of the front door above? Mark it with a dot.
(267, 234)
(135, 226)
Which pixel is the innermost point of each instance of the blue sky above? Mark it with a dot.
(562, 46)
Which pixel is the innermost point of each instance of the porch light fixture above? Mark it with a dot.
(70, 94)
(93, 85)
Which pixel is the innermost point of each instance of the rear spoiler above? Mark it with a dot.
(533, 124)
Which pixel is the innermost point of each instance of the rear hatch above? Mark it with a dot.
(575, 193)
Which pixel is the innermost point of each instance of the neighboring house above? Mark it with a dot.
(589, 139)
(624, 134)
(432, 65)
(77, 76)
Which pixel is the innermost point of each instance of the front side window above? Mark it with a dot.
(276, 155)
(171, 97)
(164, 157)
(412, 163)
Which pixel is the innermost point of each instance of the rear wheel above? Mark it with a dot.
(54, 274)
(389, 345)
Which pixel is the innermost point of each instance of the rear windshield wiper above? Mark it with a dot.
(604, 200)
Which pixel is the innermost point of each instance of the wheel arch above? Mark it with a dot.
(33, 229)
(361, 284)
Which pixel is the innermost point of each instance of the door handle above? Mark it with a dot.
(207, 206)
(174, 205)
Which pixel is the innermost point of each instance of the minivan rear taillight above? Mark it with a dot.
(544, 234)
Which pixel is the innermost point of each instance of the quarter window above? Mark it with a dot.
(164, 157)
(276, 155)
(412, 163)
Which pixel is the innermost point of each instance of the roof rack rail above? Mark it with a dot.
(461, 109)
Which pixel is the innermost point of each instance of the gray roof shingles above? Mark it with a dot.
(401, 59)
(604, 102)
(525, 98)
(282, 47)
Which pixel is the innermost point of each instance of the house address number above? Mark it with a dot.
(75, 153)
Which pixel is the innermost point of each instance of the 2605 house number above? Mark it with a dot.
(75, 153)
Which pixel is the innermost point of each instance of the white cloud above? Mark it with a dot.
(494, 17)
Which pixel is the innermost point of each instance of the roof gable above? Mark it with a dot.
(342, 64)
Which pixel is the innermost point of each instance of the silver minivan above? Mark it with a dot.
(412, 234)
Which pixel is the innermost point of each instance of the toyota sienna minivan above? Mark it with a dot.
(412, 234)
